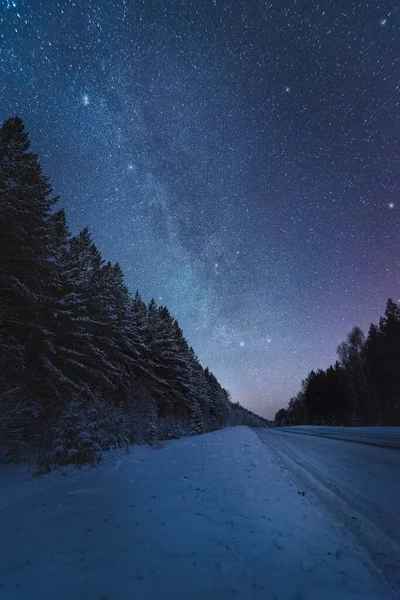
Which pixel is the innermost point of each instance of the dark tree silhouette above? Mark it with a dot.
(84, 366)
(362, 388)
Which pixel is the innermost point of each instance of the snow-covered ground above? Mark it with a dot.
(376, 436)
(356, 485)
(215, 517)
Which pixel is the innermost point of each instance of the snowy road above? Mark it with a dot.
(386, 437)
(214, 517)
(356, 484)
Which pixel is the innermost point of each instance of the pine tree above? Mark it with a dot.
(280, 419)
(91, 283)
(136, 338)
(376, 361)
(169, 362)
(197, 387)
(196, 419)
(26, 266)
(388, 371)
(51, 374)
(25, 246)
(217, 402)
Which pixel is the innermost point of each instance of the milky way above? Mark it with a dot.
(239, 159)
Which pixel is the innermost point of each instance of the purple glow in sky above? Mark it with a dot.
(239, 159)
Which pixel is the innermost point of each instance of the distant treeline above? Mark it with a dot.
(84, 366)
(362, 388)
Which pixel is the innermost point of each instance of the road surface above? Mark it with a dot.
(388, 437)
(356, 484)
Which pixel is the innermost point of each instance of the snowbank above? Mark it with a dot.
(208, 517)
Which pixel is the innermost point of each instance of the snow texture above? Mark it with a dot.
(357, 485)
(211, 517)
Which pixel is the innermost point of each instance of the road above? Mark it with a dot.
(388, 437)
(356, 484)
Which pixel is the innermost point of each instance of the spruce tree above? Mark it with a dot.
(389, 376)
(25, 245)
(136, 337)
(26, 268)
(91, 284)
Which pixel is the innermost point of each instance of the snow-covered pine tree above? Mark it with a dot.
(218, 402)
(25, 257)
(25, 206)
(108, 306)
(91, 283)
(196, 419)
(81, 433)
(90, 351)
(185, 376)
(137, 334)
(163, 360)
(65, 358)
(198, 388)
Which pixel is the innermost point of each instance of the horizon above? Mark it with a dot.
(237, 172)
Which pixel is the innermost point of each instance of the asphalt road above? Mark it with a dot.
(356, 484)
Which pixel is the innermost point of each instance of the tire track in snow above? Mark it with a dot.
(376, 530)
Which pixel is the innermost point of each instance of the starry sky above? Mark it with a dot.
(239, 159)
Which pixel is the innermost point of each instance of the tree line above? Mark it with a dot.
(361, 388)
(84, 365)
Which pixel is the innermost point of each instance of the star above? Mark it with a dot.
(256, 189)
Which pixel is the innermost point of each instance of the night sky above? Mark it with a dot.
(238, 158)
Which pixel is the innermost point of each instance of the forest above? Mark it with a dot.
(361, 389)
(84, 365)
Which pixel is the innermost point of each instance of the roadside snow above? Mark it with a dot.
(208, 517)
(388, 437)
(355, 485)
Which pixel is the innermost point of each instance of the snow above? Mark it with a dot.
(388, 437)
(215, 516)
(355, 484)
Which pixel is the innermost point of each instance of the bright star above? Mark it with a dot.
(287, 89)
(130, 167)
(241, 344)
(391, 205)
(216, 265)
